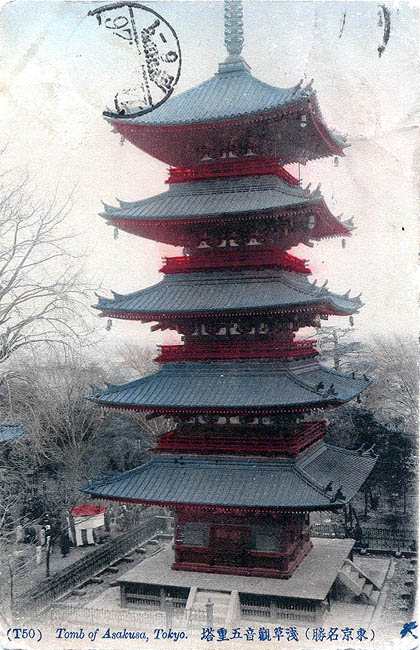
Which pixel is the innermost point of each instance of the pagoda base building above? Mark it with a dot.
(245, 462)
(308, 596)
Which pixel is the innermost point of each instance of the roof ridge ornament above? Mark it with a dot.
(234, 37)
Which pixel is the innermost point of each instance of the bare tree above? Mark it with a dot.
(41, 290)
(70, 437)
(394, 395)
(336, 344)
(50, 402)
(138, 358)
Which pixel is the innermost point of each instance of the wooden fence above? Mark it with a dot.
(140, 620)
(275, 610)
(374, 539)
(88, 566)
(137, 620)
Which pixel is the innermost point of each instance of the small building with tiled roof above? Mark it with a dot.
(9, 432)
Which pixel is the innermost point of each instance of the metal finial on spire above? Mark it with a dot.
(234, 31)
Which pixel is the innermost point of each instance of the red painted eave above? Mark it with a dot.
(172, 143)
(176, 410)
(147, 317)
(162, 230)
(211, 507)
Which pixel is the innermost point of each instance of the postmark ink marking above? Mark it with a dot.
(343, 22)
(385, 19)
(158, 49)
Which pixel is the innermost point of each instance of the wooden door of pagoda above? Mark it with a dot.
(229, 545)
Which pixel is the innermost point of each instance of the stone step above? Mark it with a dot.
(157, 550)
(78, 592)
(112, 569)
(354, 582)
(368, 589)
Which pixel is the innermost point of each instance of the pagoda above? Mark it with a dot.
(246, 461)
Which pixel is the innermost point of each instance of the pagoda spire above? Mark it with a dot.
(234, 38)
(234, 29)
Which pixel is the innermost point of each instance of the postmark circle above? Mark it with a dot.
(156, 44)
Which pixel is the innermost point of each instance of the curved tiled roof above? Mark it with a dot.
(298, 483)
(227, 95)
(216, 197)
(224, 199)
(232, 100)
(256, 386)
(226, 292)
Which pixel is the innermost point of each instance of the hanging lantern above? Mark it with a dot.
(311, 222)
(116, 233)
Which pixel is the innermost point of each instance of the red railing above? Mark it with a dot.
(229, 168)
(222, 351)
(252, 257)
(179, 442)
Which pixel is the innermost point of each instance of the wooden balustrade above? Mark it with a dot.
(147, 601)
(255, 612)
(278, 610)
(376, 539)
(241, 166)
(96, 616)
(250, 257)
(222, 351)
(176, 441)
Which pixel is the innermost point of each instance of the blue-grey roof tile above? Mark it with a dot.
(11, 431)
(235, 385)
(227, 291)
(225, 96)
(216, 198)
(248, 483)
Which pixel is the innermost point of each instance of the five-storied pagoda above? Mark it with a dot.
(245, 462)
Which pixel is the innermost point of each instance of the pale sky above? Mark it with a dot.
(59, 71)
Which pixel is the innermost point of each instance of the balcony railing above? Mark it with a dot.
(176, 441)
(252, 257)
(220, 351)
(229, 168)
